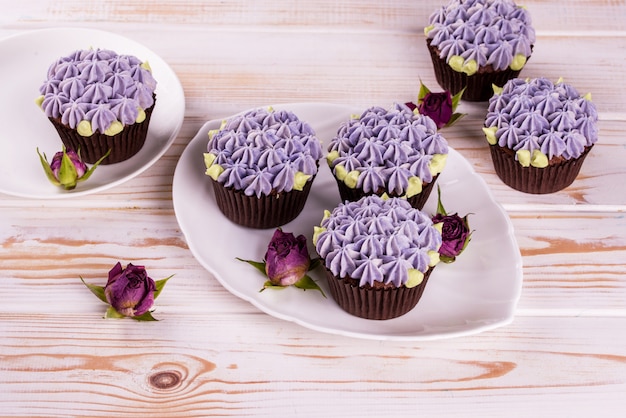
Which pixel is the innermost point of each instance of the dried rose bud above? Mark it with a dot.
(130, 291)
(440, 107)
(455, 234)
(67, 169)
(437, 106)
(287, 258)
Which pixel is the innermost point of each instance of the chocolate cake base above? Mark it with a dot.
(123, 145)
(550, 179)
(418, 201)
(379, 303)
(271, 211)
(478, 87)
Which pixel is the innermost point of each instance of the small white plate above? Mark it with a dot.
(25, 61)
(476, 293)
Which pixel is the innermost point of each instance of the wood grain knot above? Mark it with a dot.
(166, 380)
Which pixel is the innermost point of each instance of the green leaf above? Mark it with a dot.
(160, 284)
(422, 93)
(307, 283)
(256, 264)
(269, 285)
(440, 208)
(315, 263)
(67, 172)
(145, 317)
(446, 259)
(96, 290)
(455, 118)
(111, 313)
(47, 169)
(457, 98)
(93, 167)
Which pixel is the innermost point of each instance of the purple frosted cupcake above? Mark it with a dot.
(262, 164)
(378, 254)
(539, 134)
(99, 101)
(397, 153)
(477, 43)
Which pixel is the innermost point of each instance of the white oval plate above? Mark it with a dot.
(476, 293)
(26, 58)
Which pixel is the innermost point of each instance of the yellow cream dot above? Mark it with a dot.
(351, 179)
(317, 230)
(518, 62)
(115, 128)
(39, 100)
(214, 171)
(470, 67)
(433, 258)
(490, 134)
(416, 278)
(437, 163)
(300, 180)
(456, 63)
(84, 128)
(340, 172)
(141, 115)
(523, 157)
(415, 186)
(209, 159)
(539, 159)
(332, 156)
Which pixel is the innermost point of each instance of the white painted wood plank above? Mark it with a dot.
(229, 366)
(573, 262)
(573, 16)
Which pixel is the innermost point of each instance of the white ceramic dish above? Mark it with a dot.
(25, 61)
(476, 293)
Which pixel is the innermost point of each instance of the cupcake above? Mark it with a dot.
(539, 134)
(378, 254)
(394, 152)
(99, 101)
(262, 164)
(476, 43)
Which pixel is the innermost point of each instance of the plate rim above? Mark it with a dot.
(174, 85)
(518, 261)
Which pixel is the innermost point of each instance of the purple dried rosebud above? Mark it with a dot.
(455, 235)
(440, 107)
(455, 232)
(74, 159)
(287, 258)
(130, 291)
(67, 169)
(437, 106)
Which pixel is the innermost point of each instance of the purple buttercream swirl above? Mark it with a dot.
(491, 32)
(387, 148)
(538, 114)
(377, 240)
(262, 150)
(100, 84)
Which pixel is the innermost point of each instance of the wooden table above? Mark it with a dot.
(213, 354)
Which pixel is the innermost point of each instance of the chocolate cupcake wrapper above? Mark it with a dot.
(375, 303)
(532, 179)
(269, 211)
(418, 201)
(478, 86)
(123, 145)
